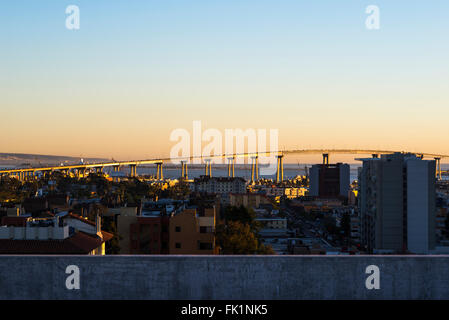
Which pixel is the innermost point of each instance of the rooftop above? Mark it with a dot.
(79, 243)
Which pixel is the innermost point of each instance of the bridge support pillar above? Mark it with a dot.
(208, 168)
(255, 169)
(132, 170)
(160, 172)
(116, 169)
(184, 169)
(231, 167)
(280, 169)
(325, 159)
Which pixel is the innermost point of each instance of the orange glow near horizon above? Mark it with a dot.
(117, 90)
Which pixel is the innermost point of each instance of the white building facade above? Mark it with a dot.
(397, 204)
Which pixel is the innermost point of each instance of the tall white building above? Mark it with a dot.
(397, 204)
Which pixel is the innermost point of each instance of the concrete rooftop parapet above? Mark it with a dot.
(223, 277)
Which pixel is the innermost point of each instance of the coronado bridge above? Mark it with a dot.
(80, 169)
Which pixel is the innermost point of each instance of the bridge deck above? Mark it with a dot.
(223, 156)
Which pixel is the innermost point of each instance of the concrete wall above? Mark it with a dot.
(224, 277)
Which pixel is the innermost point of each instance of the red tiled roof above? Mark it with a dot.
(79, 243)
(107, 236)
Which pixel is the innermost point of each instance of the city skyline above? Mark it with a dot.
(210, 152)
(133, 73)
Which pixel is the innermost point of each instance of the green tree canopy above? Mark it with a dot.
(238, 238)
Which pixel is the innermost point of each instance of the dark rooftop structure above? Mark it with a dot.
(79, 243)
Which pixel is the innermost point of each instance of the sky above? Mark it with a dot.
(137, 70)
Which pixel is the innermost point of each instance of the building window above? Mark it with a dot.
(205, 246)
(177, 229)
(206, 229)
(178, 245)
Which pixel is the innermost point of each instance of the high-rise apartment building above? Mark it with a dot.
(329, 180)
(397, 204)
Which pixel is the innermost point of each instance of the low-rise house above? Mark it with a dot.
(27, 235)
(192, 232)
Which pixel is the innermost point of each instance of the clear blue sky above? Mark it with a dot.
(139, 69)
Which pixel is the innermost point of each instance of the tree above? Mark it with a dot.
(102, 184)
(243, 215)
(108, 225)
(12, 190)
(179, 191)
(238, 238)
